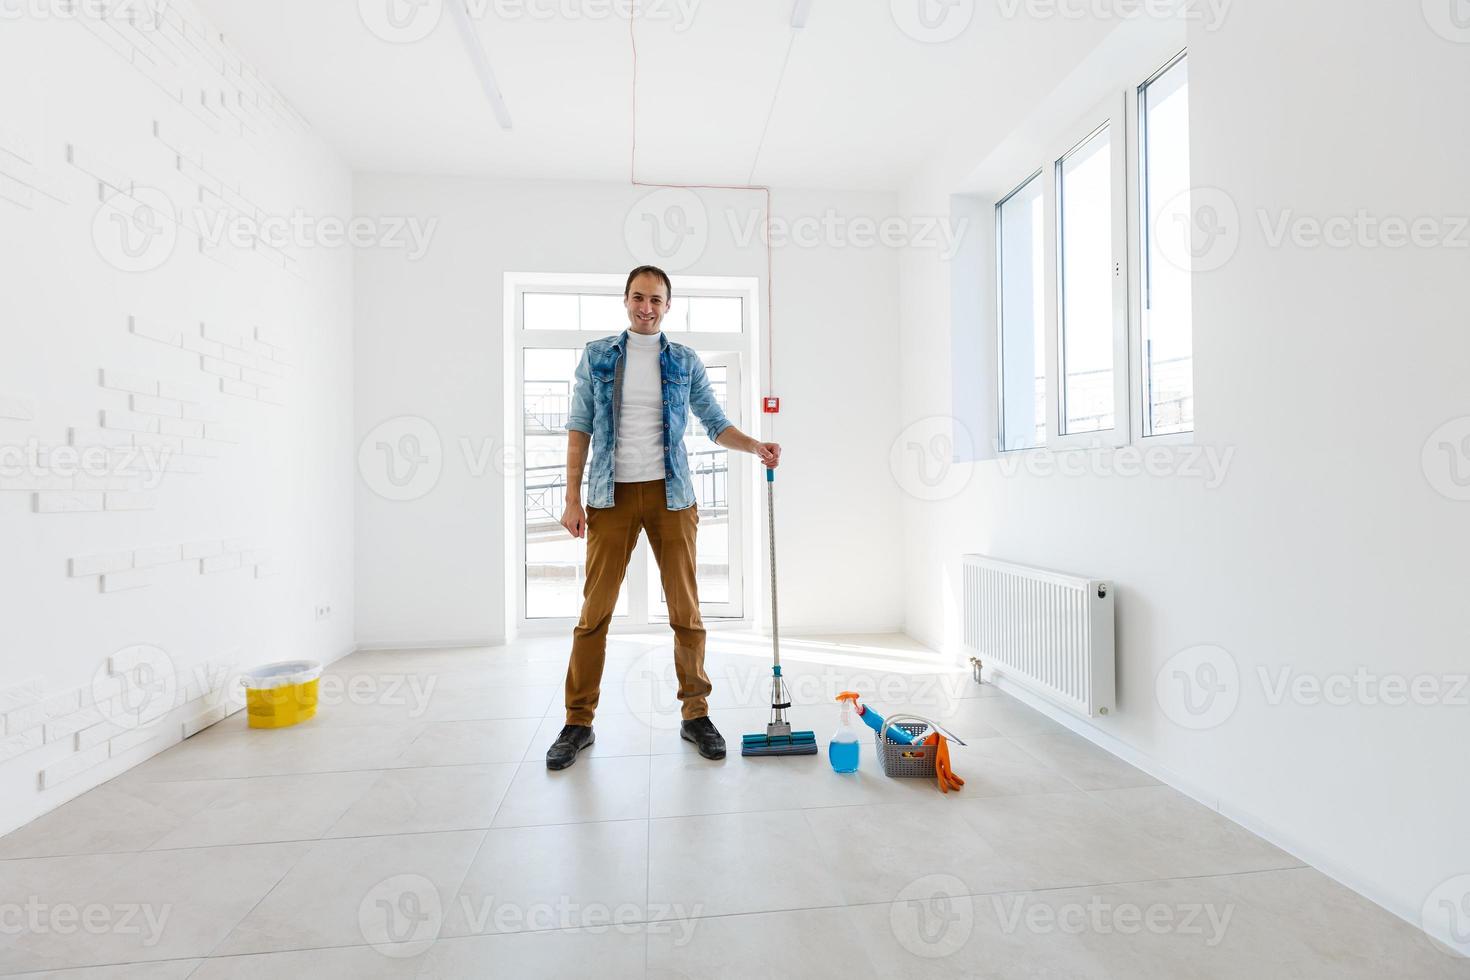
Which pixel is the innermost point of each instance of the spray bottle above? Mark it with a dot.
(843, 750)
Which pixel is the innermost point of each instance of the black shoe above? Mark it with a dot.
(704, 735)
(573, 739)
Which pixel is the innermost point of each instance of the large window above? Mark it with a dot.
(1167, 357)
(555, 316)
(1078, 365)
(1020, 238)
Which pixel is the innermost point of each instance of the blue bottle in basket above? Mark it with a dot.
(843, 750)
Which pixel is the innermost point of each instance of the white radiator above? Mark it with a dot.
(1050, 633)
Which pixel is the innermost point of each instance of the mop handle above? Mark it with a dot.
(771, 513)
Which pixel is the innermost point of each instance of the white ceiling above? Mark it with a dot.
(859, 105)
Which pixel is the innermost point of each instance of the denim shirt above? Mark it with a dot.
(597, 397)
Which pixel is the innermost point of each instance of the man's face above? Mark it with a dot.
(647, 302)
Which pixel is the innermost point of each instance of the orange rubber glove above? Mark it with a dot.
(946, 776)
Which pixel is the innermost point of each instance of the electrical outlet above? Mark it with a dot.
(323, 610)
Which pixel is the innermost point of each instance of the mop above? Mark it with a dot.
(778, 739)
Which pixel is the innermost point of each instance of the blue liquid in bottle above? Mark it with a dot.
(843, 755)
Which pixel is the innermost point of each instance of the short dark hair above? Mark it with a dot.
(646, 269)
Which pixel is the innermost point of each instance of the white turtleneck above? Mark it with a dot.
(640, 446)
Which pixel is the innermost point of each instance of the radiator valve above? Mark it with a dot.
(975, 667)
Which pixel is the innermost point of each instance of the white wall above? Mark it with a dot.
(432, 569)
(86, 108)
(1327, 547)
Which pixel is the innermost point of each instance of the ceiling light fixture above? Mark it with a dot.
(476, 50)
(799, 14)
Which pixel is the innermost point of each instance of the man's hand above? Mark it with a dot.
(733, 438)
(574, 519)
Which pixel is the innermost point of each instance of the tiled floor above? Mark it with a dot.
(412, 830)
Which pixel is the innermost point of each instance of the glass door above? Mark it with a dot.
(718, 493)
(553, 563)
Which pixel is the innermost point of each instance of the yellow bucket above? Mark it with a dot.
(282, 694)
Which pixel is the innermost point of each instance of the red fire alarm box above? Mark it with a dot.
(770, 405)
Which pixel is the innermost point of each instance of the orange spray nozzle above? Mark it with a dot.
(851, 696)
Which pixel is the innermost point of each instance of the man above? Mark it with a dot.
(632, 399)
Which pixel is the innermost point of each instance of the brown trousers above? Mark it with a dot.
(612, 533)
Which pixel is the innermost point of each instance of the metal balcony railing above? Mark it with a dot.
(546, 489)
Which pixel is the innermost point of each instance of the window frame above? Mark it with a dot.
(1137, 249)
(1000, 341)
(1110, 113)
(1122, 114)
(518, 337)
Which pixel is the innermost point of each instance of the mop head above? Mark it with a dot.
(796, 743)
(778, 738)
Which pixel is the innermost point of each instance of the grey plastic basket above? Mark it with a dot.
(902, 760)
